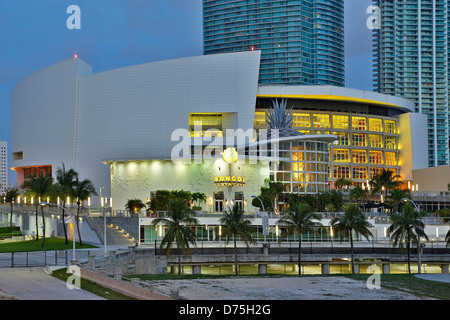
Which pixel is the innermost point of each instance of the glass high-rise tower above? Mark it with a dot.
(301, 41)
(411, 61)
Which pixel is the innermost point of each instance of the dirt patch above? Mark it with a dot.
(283, 288)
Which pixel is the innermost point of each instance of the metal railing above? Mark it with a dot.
(40, 258)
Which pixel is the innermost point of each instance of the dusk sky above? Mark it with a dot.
(119, 33)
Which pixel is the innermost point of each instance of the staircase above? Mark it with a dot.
(115, 234)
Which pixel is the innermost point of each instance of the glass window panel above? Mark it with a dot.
(390, 158)
(360, 173)
(376, 157)
(359, 139)
(340, 122)
(321, 120)
(390, 126)
(360, 156)
(341, 155)
(359, 123)
(343, 138)
(375, 141)
(390, 142)
(375, 125)
(302, 120)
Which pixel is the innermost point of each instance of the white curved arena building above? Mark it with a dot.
(127, 117)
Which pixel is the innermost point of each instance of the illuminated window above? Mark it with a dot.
(341, 155)
(321, 132)
(374, 171)
(390, 142)
(205, 125)
(341, 172)
(375, 157)
(359, 123)
(321, 120)
(260, 119)
(340, 122)
(343, 138)
(389, 126)
(359, 139)
(304, 131)
(359, 156)
(302, 120)
(390, 159)
(360, 173)
(375, 125)
(375, 141)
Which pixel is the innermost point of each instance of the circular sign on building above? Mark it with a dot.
(230, 155)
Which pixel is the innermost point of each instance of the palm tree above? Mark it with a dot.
(10, 196)
(358, 194)
(352, 220)
(343, 182)
(134, 205)
(40, 187)
(275, 191)
(66, 179)
(179, 229)
(384, 181)
(82, 190)
(198, 197)
(299, 219)
(407, 227)
(397, 195)
(234, 224)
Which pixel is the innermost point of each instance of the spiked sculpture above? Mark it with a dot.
(278, 117)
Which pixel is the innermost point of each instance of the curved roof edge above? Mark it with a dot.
(326, 92)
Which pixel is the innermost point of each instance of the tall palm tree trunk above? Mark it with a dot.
(235, 257)
(78, 226)
(43, 229)
(36, 225)
(63, 221)
(351, 251)
(299, 258)
(408, 247)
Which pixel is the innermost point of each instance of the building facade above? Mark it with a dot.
(411, 50)
(3, 167)
(123, 129)
(301, 41)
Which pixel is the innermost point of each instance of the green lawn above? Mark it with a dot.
(92, 286)
(411, 284)
(32, 245)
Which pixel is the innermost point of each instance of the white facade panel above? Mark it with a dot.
(127, 113)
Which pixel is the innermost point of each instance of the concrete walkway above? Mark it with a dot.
(35, 284)
(440, 277)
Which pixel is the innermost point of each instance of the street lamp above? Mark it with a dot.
(419, 247)
(70, 216)
(265, 219)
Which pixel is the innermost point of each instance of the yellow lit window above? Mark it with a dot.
(340, 122)
(390, 142)
(374, 171)
(359, 123)
(375, 125)
(359, 156)
(321, 120)
(204, 124)
(341, 172)
(304, 131)
(302, 120)
(375, 141)
(343, 138)
(321, 132)
(359, 139)
(341, 155)
(360, 173)
(390, 126)
(375, 157)
(260, 119)
(390, 159)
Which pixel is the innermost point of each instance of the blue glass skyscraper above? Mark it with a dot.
(412, 48)
(301, 41)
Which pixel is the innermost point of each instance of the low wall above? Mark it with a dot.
(131, 289)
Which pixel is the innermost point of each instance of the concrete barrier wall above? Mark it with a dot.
(117, 284)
